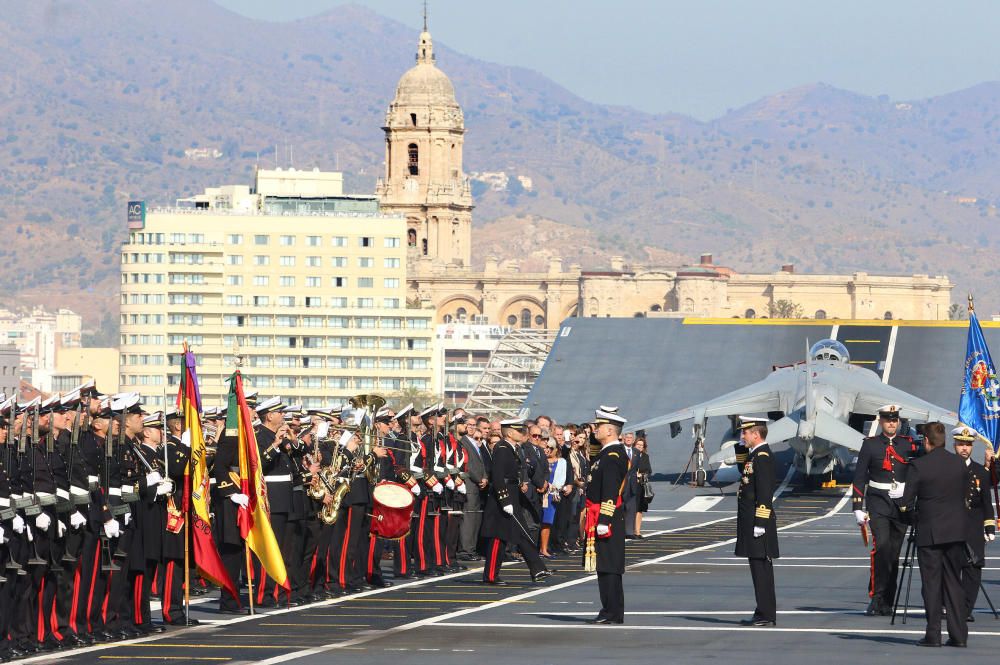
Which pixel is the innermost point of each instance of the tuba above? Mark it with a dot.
(370, 406)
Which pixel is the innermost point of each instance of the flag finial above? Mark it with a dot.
(972, 306)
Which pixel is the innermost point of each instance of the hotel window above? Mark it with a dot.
(417, 324)
(365, 282)
(337, 342)
(416, 363)
(340, 241)
(339, 261)
(284, 362)
(366, 262)
(392, 343)
(286, 301)
(261, 280)
(364, 342)
(337, 322)
(234, 280)
(338, 282)
(314, 262)
(314, 241)
(337, 363)
(390, 263)
(390, 303)
(261, 260)
(313, 282)
(261, 239)
(235, 259)
(235, 238)
(234, 300)
(312, 362)
(391, 363)
(285, 321)
(366, 241)
(312, 321)
(391, 243)
(418, 344)
(365, 363)
(366, 303)
(287, 241)
(392, 323)
(365, 321)
(338, 302)
(261, 301)
(314, 302)
(260, 321)
(390, 283)
(260, 340)
(312, 382)
(287, 261)
(287, 281)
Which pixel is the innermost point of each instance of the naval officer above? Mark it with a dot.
(981, 525)
(756, 524)
(605, 550)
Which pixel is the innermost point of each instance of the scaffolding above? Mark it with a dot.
(510, 373)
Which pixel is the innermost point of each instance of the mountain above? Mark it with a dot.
(112, 100)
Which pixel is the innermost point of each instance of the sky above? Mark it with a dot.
(704, 57)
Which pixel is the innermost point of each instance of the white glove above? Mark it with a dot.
(438, 488)
(896, 492)
(509, 510)
(3, 537)
(43, 522)
(153, 478)
(241, 500)
(861, 516)
(27, 532)
(990, 537)
(17, 524)
(462, 489)
(758, 531)
(128, 518)
(60, 529)
(451, 483)
(165, 487)
(416, 490)
(76, 520)
(603, 530)
(112, 529)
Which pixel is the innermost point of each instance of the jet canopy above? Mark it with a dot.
(829, 350)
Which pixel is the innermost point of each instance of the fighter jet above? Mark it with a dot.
(814, 404)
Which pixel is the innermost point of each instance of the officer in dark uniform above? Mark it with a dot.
(982, 525)
(756, 523)
(8, 539)
(275, 448)
(499, 510)
(878, 481)
(426, 544)
(606, 517)
(936, 490)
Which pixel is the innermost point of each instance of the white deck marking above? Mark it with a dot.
(699, 504)
(891, 630)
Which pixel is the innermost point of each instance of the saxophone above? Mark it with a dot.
(332, 483)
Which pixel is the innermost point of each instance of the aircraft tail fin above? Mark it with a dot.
(782, 430)
(810, 395)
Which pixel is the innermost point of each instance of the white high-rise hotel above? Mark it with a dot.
(305, 286)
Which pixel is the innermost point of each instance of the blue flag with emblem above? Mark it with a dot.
(979, 405)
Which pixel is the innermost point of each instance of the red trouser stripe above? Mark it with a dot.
(871, 579)
(137, 597)
(437, 538)
(41, 612)
(93, 583)
(494, 553)
(168, 588)
(54, 622)
(343, 549)
(75, 605)
(421, 525)
(261, 583)
(156, 580)
(371, 557)
(107, 595)
(403, 558)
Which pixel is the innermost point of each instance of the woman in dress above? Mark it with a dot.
(557, 478)
(643, 469)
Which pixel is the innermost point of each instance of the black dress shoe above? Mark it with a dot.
(232, 610)
(955, 643)
(496, 582)
(380, 584)
(104, 636)
(605, 621)
(540, 575)
(874, 608)
(763, 623)
(748, 622)
(924, 642)
(970, 618)
(76, 641)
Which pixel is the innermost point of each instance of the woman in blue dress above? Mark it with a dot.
(557, 478)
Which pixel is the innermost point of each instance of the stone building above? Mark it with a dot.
(424, 182)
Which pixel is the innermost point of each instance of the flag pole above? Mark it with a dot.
(246, 552)
(994, 475)
(186, 503)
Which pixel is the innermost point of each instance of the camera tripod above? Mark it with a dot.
(906, 570)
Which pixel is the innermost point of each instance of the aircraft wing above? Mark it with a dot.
(873, 395)
(760, 397)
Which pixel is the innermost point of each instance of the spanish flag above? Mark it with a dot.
(196, 482)
(255, 519)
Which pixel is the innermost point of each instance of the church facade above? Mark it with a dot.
(424, 181)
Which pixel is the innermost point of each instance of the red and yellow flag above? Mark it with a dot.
(255, 519)
(196, 482)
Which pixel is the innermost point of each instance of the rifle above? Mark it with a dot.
(32, 507)
(74, 442)
(107, 561)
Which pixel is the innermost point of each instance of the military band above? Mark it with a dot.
(93, 524)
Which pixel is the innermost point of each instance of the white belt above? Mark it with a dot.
(43, 495)
(62, 494)
(127, 489)
(15, 496)
(885, 486)
(93, 479)
(4, 502)
(211, 481)
(115, 491)
(278, 479)
(78, 491)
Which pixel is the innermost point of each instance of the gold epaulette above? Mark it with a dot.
(608, 508)
(763, 512)
(612, 454)
(763, 454)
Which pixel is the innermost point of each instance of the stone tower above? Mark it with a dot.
(424, 129)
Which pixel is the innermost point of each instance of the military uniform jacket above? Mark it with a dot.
(225, 524)
(279, 472)
(753, 503)
(177, 457)
(871, 469)
(504, 490)
(359, 494)
(936, 488)
(608, 475)
(475, 470)
(981, 518)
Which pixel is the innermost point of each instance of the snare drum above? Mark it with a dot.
(392, 504)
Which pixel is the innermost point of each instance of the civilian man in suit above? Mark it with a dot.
(475, 484)
(934, 492)
(630, 496)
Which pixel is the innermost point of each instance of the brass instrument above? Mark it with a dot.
(334, 484)
(370, 404)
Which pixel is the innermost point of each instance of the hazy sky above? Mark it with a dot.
(701, 57)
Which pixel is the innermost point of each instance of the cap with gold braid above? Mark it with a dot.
(746, 422)
(964, 434)
(602, 417)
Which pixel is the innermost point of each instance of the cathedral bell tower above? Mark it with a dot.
(424, 130)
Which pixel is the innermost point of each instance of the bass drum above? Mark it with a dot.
(392, 505)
